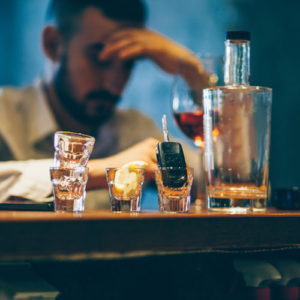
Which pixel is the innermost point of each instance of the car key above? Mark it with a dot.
(170, 159)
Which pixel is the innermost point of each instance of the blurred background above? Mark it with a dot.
(199, 25)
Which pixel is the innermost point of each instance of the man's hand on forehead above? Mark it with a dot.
(131, 44)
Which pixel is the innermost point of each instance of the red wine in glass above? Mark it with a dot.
(191, 124)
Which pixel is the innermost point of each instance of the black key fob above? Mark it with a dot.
(170, 159)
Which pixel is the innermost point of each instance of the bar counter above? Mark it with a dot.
(39, 236)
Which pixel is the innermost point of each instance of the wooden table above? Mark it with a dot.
(111, 254)
(103, 234)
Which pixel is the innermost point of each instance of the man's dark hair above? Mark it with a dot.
(65, 12)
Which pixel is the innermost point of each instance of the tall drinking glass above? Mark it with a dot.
(188, 110)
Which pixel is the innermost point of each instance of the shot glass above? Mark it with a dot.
(72, 149)
(69, 186)
(125, 188)
(174, 188)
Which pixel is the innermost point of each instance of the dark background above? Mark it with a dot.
(199, 25)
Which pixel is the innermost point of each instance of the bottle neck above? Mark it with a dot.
(237, 62)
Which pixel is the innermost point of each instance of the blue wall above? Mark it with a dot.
(199, 25)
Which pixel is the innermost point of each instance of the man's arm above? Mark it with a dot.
(144, 151)
(31, 179)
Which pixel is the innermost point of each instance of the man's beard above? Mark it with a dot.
(103, 101)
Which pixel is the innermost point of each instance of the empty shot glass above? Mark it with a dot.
(174, 188)
(125, 188)
(72, 149)
(69, 186)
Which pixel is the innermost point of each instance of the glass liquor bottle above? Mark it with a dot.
(237, 157)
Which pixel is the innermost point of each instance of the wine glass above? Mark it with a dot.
(187, 108)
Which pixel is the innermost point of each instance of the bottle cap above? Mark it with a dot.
(237, 35)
